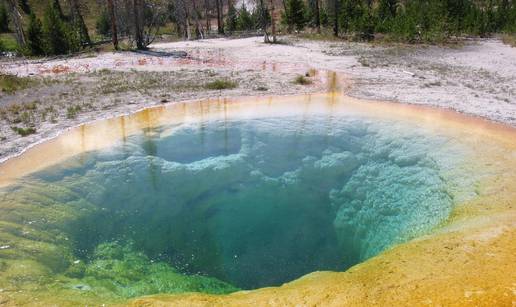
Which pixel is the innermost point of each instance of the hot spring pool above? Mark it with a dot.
(219, 197)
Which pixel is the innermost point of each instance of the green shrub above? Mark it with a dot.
(302, 80)
(71, 112)
(221, 84)
(23, 131)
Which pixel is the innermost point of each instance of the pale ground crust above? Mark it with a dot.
(467, 262)
(477, 78)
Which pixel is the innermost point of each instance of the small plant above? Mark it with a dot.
(363, 61)
(71, 112)
(10, 84)
(48, 110)
(14, 108)
(221, 84)
(26, 117)
(31, 105)
(302, 80)
(509, 39)
(23, 131)
(103, 71)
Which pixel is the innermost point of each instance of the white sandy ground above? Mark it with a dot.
(478, 77)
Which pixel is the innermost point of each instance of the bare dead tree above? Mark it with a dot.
(16, 18)
(152, 15)
(207, 16)
(187, 21)
(198, 28)
(273, 24)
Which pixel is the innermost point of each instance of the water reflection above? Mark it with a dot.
(105, 133)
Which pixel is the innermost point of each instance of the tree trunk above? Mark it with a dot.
(207, 15)
(187, 23)
(220, 24)
(336, 18)
(17, 22)
(317, 17)
(273, 22)
(114, 30)
(138, 37)
(263, 17)
(198, 30)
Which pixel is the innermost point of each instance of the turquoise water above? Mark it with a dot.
(239, 205)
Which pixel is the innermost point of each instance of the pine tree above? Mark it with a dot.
(295, 14)
(316, 15)
(232, 19)
(386, 9)
(24, 5)
(511, 22)
(4, 19)
(77, 22)
(35, 36)
(57, 7)
(244, 21)
(103, 25)
(54, 32)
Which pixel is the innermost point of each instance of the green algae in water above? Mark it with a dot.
(222, 206)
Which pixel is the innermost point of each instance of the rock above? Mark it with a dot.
(82, 287)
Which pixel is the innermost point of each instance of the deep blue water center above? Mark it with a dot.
(258, 202)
